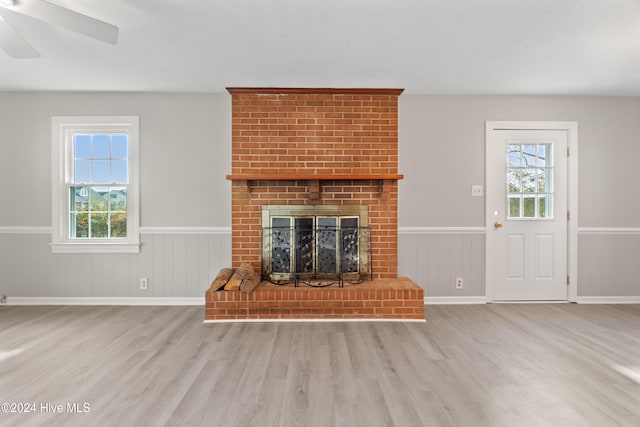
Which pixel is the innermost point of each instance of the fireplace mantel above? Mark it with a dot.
(314, 180)
(314, 177)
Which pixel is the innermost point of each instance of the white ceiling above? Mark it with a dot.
(576, 47)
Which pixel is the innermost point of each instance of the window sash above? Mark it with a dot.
(63, 239)
(109, 209)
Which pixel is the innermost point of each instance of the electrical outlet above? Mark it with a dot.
(144, 283)
(476, 190)
(459, 283)
(3, 299)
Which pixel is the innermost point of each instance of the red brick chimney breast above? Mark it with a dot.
(315, 147)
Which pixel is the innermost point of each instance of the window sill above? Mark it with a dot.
(94, 248)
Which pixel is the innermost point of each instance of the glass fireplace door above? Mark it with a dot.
(317, 246)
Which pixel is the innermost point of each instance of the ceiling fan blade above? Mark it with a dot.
(61, 16)
(14, 44)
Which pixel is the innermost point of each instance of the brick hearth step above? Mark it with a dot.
(397, 298)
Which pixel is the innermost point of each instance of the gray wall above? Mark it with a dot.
(442, 152)
(185, 153)
(185, 199)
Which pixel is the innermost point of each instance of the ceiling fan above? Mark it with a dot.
(16, 46)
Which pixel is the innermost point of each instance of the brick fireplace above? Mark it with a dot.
(317, 149)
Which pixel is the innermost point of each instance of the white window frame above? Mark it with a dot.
(62, 130)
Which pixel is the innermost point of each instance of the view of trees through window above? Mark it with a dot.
(529, 180)
(98, 196)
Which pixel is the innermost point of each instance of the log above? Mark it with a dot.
(232, 284)
(250, 283)
(245, 271)
(244, 279)
(221, 279)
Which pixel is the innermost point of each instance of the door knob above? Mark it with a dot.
(497, 225)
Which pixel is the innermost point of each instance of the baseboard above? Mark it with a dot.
(454, 300)
(564, 301)
(609, 300)
(483, 300)
(200, 300)
(104, 301)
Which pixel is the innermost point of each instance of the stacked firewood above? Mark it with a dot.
(243, 279)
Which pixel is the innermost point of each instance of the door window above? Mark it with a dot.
(529, 180)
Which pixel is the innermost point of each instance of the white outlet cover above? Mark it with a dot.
(477, 191)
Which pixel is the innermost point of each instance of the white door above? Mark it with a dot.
(527, 214)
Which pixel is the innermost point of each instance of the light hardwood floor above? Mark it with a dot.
(493, 365)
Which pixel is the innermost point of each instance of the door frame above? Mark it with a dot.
(571, 127)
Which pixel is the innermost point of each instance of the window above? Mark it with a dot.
(529, 180)
(95, 184)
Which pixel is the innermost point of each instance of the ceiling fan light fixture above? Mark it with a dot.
(17, 46)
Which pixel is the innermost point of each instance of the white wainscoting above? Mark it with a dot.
(608, 264)
(180, 264)
(433, 257)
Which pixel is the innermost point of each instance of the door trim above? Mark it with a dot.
(571, 128)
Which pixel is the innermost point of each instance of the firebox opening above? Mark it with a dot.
(315, 243)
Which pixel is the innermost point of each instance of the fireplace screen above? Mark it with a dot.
(300, 247)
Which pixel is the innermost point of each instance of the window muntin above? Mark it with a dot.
(95, 193)
(529, 180)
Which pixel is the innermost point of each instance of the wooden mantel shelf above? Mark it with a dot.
(314, 177)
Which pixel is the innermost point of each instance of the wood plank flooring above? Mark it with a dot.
(478, 365)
